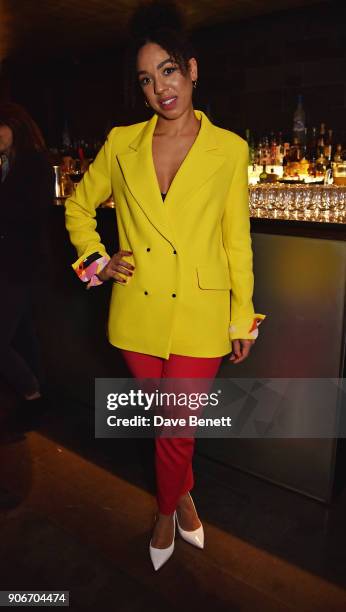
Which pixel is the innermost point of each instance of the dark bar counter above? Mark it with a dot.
(300, 279)
(292, 227)
(300, 283)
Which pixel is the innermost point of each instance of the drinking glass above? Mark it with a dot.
(280, 202)
(75, 171)
(325, 202)
(316, 202)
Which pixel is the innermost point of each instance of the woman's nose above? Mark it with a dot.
(159, 86)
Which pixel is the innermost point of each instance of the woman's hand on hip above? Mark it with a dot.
(240, 350)
(117, 267)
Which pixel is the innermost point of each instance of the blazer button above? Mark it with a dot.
(148, 248)
(145, 293)
(173, 294)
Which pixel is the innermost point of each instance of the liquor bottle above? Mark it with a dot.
(312, 151)
(259, 153)
(263, 177)
(272, 176)
(305, 139)
(321, 164)
(328, 146)
(304, 163)
(286, 156)
(320, 159)
(312, 167)
(299, 121)
(266, 151)
(295, 150)
(304, 153)
(279, 155)
(272, 149)
(338, 154)
(251, 145)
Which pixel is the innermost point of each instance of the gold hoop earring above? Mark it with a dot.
(146, 103)
(194, 83)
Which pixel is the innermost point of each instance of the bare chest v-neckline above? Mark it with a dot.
(165, 157)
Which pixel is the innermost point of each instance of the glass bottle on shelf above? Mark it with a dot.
(263, 177)
(321, 164)
(251, 145)
(272, 149)
(272, 176)
(338, 154)
(320, 158)
(259, 153)
(279, 154)
(295, 150)
(286, 156)
(339, 166)
(266, 151)
(328, 147)
(312, 146)
(304, 163)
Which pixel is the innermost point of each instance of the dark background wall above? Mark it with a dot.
(254, 70)
(250, 74)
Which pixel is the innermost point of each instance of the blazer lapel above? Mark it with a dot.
(200, 164)
(138, 168)
(137, 164)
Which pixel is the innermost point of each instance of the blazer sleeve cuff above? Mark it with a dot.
(246, 330)
(88, 268)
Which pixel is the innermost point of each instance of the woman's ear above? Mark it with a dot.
(193, 69)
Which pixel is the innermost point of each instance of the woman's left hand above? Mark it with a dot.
(240, 350)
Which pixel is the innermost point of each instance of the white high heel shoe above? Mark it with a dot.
(195, 537)
(159, 556)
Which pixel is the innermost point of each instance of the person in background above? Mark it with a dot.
(26, 193)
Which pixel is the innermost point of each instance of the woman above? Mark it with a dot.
(26, 193)
(180, 187)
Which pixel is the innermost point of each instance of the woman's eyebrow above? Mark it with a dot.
(166, 61)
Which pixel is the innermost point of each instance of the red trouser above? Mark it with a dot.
(173, 456)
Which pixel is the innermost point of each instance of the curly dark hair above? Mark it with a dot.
(27, 136)
(159, 22)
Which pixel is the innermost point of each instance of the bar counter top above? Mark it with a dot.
(297, 209)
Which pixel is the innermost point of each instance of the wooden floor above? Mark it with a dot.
(76, 514)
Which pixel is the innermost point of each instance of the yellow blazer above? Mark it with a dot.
(189, 251)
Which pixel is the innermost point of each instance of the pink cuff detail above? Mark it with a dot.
(87, 273)
(255, 324)
(243, 332)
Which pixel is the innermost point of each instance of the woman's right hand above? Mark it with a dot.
(116, 267)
